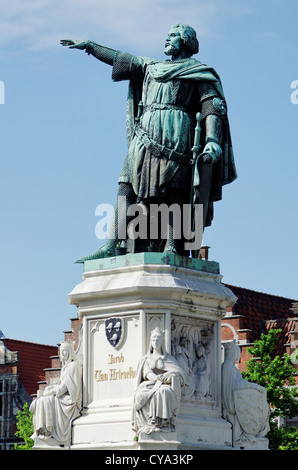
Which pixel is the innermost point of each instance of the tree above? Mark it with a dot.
(276, 374)
(25, 428)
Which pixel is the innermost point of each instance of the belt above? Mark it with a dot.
(154, 106)
(159, 151)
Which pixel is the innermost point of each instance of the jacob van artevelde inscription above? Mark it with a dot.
(101, 375)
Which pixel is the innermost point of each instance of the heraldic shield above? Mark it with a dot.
(252, 410)
(114, 331)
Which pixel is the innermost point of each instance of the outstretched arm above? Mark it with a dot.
(102, 53)
(125, 66)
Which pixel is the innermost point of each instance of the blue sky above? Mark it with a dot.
(63, 143)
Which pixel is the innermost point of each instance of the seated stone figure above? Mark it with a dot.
(244, 403)
(157, 397)
(54, 411)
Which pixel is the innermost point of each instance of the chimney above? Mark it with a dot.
(204, 252)
(294, 308)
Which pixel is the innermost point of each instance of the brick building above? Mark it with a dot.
(255, 313)
(52, 372)
(22, 366)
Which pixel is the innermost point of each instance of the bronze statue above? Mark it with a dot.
(167, 102)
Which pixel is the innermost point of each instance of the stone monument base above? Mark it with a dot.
(50, 444)
(260, 443)
(157, 441)
(136, 293)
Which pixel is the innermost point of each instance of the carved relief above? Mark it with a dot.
(191, 346)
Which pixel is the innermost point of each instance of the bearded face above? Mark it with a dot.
(174, 43)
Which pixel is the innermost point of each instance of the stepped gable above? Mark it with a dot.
(33, 359)
(287, 339)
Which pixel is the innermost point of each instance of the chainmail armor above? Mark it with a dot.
(214, 105)
(102, 53)
(122, 66)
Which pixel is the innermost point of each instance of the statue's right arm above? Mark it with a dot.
(125, 66)
(102, 53)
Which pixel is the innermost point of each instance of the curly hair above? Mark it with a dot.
(189, 37)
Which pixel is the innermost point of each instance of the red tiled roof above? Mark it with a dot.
(33, 359)
(258, 307)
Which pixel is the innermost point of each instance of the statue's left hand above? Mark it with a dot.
(73, 44)
(214, 150)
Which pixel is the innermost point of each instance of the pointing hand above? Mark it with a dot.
(73, 44)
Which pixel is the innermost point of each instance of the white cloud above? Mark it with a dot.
(135, 24)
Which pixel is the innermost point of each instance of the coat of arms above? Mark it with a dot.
(114, 330)
(253, 419)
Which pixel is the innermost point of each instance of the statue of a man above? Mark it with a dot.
(54, 411)
(163, 101)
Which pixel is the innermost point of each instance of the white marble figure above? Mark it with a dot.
(157, 397)
(191, 347)
(54, 411)
(183, 358)
(244, 403)
(201, 364)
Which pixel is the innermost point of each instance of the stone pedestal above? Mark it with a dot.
(121, 300)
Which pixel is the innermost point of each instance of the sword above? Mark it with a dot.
(195, 180)
(195, 177)
(196, 146)
(206, 157)
(140, 110)
(205, 180)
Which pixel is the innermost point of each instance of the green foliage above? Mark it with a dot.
(282, 438)
(25, 428)
(276, 374)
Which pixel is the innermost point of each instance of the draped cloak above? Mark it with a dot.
(151, 176)
(153, 400)
(53, 414)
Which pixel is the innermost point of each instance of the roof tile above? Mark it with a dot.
(258, 307)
